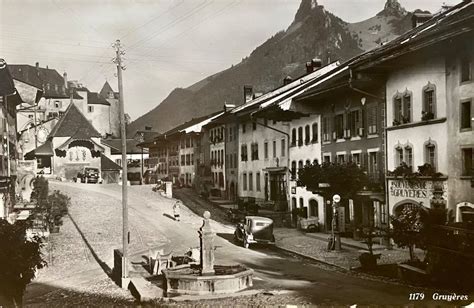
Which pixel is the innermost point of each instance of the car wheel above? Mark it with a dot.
(312, 229)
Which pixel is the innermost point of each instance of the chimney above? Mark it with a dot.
(287, 80)
(228, 107)
(37, 64)
(316, 63)
(248, 91)
(65, 79)
(420, 18)
(309, 67)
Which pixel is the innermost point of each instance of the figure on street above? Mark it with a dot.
(176, 209)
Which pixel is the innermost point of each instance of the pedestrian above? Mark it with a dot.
(176, 210)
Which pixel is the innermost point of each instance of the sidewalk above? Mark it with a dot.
(314, 245)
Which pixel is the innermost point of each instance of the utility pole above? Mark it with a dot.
(123, 134)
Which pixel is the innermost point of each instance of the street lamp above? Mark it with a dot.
(335, 243)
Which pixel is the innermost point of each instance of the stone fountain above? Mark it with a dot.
(205, 277)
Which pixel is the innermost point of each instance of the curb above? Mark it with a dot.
(183, 298)
(345, 269)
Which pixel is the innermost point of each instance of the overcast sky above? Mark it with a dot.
(168, 43)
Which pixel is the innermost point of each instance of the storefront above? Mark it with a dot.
(428, 192)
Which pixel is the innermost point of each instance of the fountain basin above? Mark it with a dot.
(186, 279)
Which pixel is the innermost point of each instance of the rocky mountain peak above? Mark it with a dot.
(306, 9)
(393, 8)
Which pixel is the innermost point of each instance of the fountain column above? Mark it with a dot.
(206, 236)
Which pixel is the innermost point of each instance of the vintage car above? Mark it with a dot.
(89, 175)
(254, 229)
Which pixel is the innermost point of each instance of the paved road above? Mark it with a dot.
(151, 226)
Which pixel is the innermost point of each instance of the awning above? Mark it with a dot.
(46, 149)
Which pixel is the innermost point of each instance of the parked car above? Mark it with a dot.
(89, 175)
(254, 229)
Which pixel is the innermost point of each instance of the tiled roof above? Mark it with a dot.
(190, 123)
(74, 123)
(116, 146)
(94, 98)
(106, 164)
(44, 78)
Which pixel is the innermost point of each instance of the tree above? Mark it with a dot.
(409, 229)
(20, 257)
(343, 179)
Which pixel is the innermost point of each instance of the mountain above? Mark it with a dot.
(314, 32)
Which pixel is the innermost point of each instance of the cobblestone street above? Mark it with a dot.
(82, 257)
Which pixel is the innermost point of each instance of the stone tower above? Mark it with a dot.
(114, 111)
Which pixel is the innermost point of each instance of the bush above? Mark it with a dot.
(49, 207)
(409, 230)
(19, 259)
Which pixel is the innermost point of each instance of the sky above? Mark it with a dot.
(167, 43)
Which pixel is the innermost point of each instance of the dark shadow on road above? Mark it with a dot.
(169, 216)
(103, 265)
(45, 295)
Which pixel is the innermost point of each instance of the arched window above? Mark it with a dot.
(429, 102)
(313, 208)
(293, 203)
(300, 165)
(307, 134)
(293, 137)
(409, 156)
(300, 136)
(308, 162)
(315, 133)
(301, 203)
(430, 154)
(293, 170)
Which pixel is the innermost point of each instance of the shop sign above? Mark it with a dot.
(406, 190)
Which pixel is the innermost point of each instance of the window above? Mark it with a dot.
(293, 137)
(466, 115)
(301, 203)
(316, 162)
(315, 133)
(90, 108)
(243, 152)
(409, 156)
(265, 150)
(307, 134)
(244, 181)
(192, 159)
(257, 180)
(254, 125)
(244, 128)
(235, 160)
(430, 154)
(429, 102)
(254, 150)
(308, 162)
(57, 104)
(402, 108)
(465, 69)
(340, 158)
(354, 122)
(182, 160)
(188, 159)
(356, 159)
(373, 167)
(300, 165)
(293, 170)
(399, 156)
(274, 148)
(283, 148)
(372, 120)
(326, 130)
(406, 108)
(300, 136)
(327, 158)
(468, 160)
(339, 126)
(250, 181)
